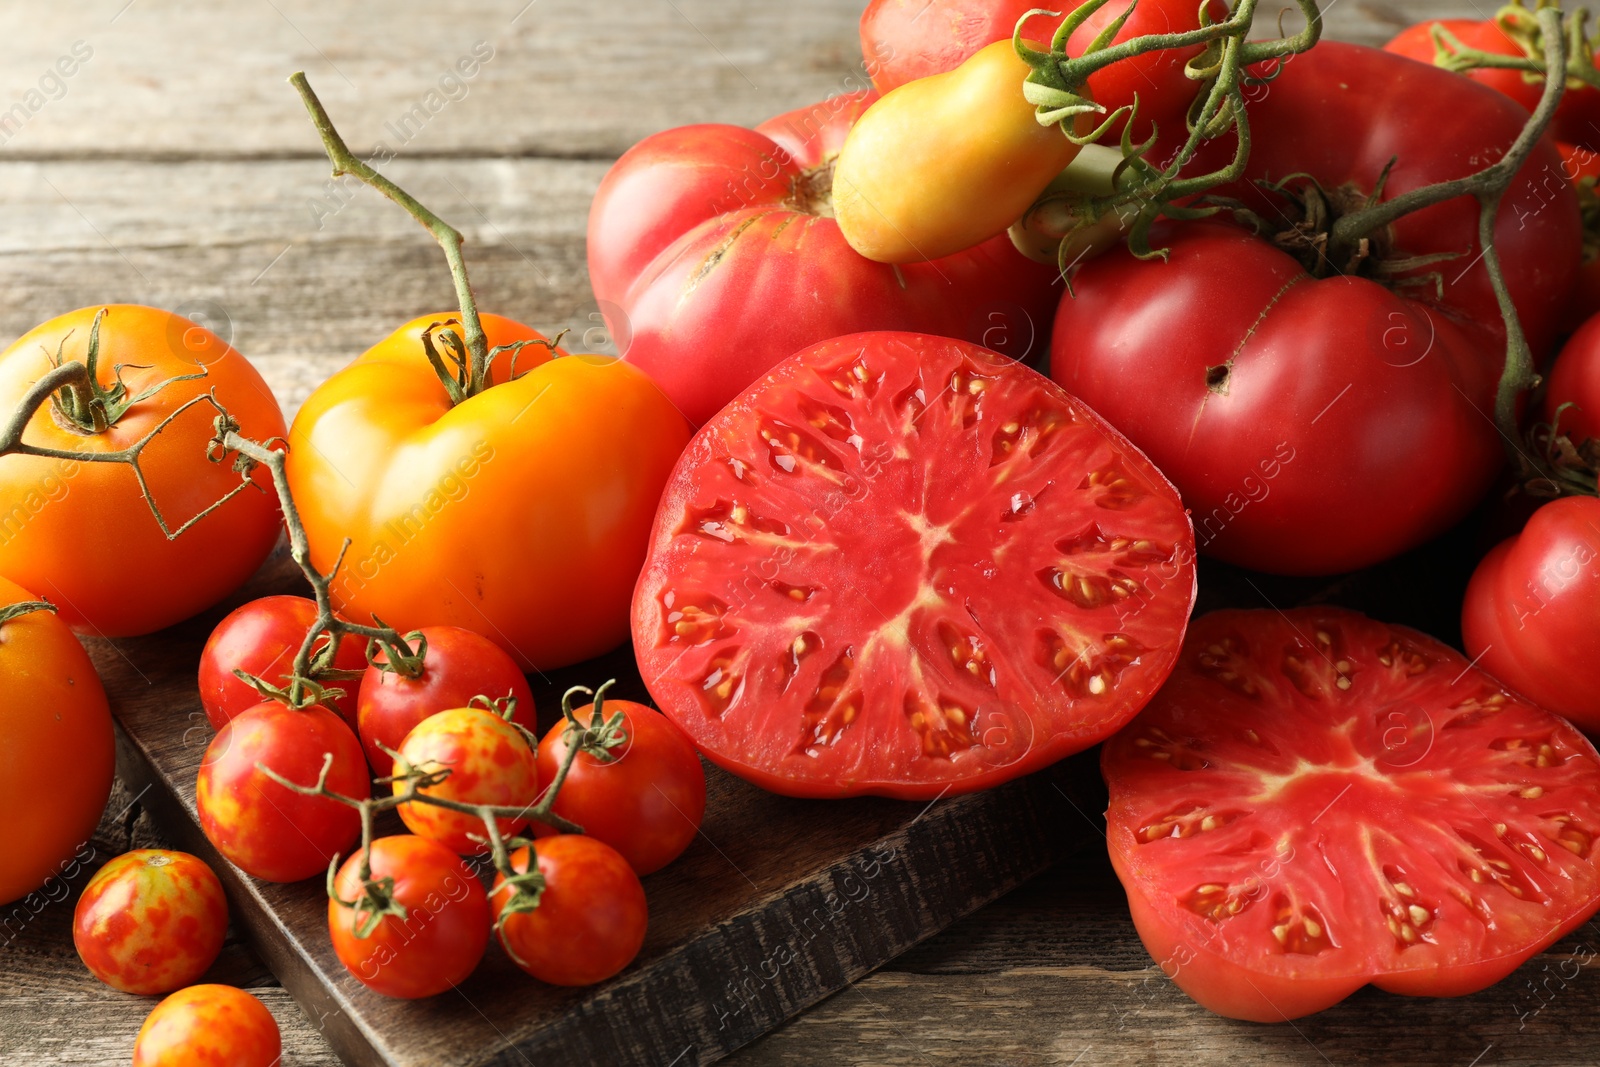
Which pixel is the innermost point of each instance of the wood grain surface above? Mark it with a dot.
(175, 167)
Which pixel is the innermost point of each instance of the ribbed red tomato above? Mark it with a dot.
(1316, 801)
(906, 565)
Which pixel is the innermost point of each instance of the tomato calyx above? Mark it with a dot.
(398, 657)
(1522, 27)
(1563, 467)
(85, 406)
(9, 612)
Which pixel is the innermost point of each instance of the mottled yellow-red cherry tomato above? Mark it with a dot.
(150, 921)
(490, 762)
(208, 1026)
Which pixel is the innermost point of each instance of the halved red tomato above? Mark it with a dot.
(1316, 801)
(906, 565)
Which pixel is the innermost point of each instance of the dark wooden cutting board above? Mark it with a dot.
(778, 903)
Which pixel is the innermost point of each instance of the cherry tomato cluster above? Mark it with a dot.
(1294, 298)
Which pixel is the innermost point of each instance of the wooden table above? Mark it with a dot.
(175, 167)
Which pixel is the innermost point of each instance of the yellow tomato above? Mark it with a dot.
(947, 162)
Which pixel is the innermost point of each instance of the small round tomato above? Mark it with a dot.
(267, 830)
(1531, 616)
(944, 163)
(647, 803)
(262, 638)
(1580, 165)
(150, 921)
(57, 750)
(458, 666)
(591, 918)
(445, 929)
(1574, 384)
(215, 1025)
(1317, 801)
(123, 576)
(490, 762)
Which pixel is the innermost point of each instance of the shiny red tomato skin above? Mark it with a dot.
(714, 255)
(490, 762)
(1531, 616)
(459, 665)
(150, 921)
(1318, 801)
(591, 919)
(442, 939)
(1574, 384)
(266, 830)
(647, 804)
(214, 1025)
(262, 638)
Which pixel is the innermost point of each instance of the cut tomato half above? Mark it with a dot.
(906, 565)
(1316, 801)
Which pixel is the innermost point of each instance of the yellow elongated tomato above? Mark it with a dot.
(946, 162)
(520, 513)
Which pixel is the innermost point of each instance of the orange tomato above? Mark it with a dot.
(56, 749)
(946, 162)
(80, 533)
(521, 513)
(150, 921)
(209, 1024)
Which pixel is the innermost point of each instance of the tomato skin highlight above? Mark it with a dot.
(647, 803)
(903, 565)
(945, 163)
(150, 921)
(591, 919)
(215, 1025)
(444, 935)
(714, 255)
(57, 749)
(266, 830)
(83, 535)
(1317, 801)
(262, 638)
(459, 665)
(1532, 610)
(490, 763)
(512, 514)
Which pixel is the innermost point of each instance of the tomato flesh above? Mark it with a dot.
(1317, 801)
(906, 565)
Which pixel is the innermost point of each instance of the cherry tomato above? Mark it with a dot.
(490, 762)
(267, 830)
(262, 638)
(1532, 612)
(905, 565)
(458, 666)
(1316, 801)
(150, 921)
(521, 513)
(1581, 166)
(445, 931)
(122, 575)
(714, 253)
(214, 1025)
(1302, 417)
(591, 918)
(647, 803)
(946, 162)
(57, 751)
(1574, 385)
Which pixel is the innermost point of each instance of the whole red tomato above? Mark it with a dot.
(457, 665)
(123, 576)
(1581, 166)
(445, 930)
(591, 918)
(1302, 417)
(714, 254)
(1531, 616)
(490, 762)
(261, 638)
(647, 802)
(905, 565)
(212, 1025)
(57, 751)
(150, 921)
(1573, 387)
(903, 40)
(1316, 801)
(511, 513)
(267, 830)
